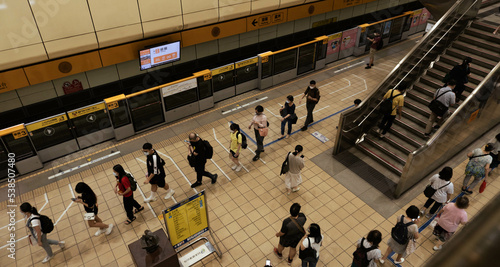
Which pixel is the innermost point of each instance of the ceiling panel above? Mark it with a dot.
(190, 6)
(61, 19)
(22, 56)
(108, 14)
(18, 27)
(263, 6)
(158, 9)
(119, 35)
(162, 26)
(71, 45)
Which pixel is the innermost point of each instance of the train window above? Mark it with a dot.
(119, 115)
(204, 87)
(223, 80)
(44, 134)
(267, 67)
(285, 61)
(247, 70)
(21, 146)
(180, 99)
(146, 110)
(91, 122)
(306, 58)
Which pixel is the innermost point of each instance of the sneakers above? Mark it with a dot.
(239, 168)
(422, 213)
(170, 193)
(468, 192)
(295, 190)
(149, 199)
(381, 261)
(62, 244)
(279, 255)
(303, 128)
(195, 184)
(368, 67)
(400, 261)
(234, 166)
(435, 248)
(428, 215)
(289, 261)
(47, 259)
(214, 180)
(99, 232)
(109, 229)
(257, 157)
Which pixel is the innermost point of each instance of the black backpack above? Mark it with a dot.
(360, 258)
(308, 253)
(45, 223)
(400, 232)
(133, 182)
(386, 105)
(244, 143)
(380, 44)
(209, 150)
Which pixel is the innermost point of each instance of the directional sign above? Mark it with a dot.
(266, 19)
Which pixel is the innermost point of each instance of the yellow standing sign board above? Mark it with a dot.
(186, 220)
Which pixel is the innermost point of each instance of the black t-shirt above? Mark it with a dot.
(314, 93)
(90, 200)
(288, 109)
(290, 229)
(151, 160)
(199, 148)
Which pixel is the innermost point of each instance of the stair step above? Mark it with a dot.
(482, 26)
(439, 74)
(418, 96)
(412, 127)
(416, 117)
(477, 60)
(417, 107)
(436, 84)
(490, 46)
(485, 35)
(387, 150)
(409, 137)
(449, 62)
(493, 55)
(400, 144)
(389, 163)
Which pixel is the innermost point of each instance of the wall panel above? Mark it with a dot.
(12, 79)
(71, 45)
(159, 9)
(119, 35)
(205, 34)
(18, 25)
(22, 56)
(110, 14)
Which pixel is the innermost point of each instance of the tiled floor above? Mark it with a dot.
(246, 212)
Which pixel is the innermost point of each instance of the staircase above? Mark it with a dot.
(407, 135)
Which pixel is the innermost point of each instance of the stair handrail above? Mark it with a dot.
(411, 54)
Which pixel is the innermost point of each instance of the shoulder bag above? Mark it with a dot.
(438, 107)
(285, 167)
(308, 253)
(429, 191)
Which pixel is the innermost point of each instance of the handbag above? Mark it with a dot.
(437, 107)
(263, 131)
(293, 118)
(192, 161)
(285, 167)
(429, 191)
(482, 187)
(89, 216)
(309, 252)
(411, 247)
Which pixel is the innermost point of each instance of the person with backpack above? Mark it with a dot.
(391, 105)
(459, 73)
(367, 253)
(89, 201)
(39, 226)
(440, 191)
(156, 173)
(376, 45)
(260, 128)
(291, 232)
(443, 99)
(235, 146)
(296, 163)
(312, 96)
(200, 151)
(406, 228)
(310, 245)
(125, 186)
(288, 115)
(450, 217)
(478, 167)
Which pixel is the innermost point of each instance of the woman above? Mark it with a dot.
(478, 166)
(451, 216)
(296, 164)
(287, 112)
(89, 201)
(123, 188)
(460, 73)
(34, 225)
(235, 147)
(400, 249)
(440, 182)
(372, 240)
(313, 240)
(259, 123)
(495, 153)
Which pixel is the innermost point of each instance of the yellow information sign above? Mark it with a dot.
(19, 134)
(207, 76)
(187, 219)
(113, 105)
(45, 123)
(85, 111)
(247, 62)
(473, 116)
(223, 69)
(266, 19)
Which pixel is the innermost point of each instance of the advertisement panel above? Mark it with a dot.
(348, 39)
(334, 43)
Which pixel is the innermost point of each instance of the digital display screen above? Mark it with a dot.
(159, 55)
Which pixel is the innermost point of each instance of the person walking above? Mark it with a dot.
(450, 217)
(197, 151)
(312, 94)
(89, 201)
(367, 250)
(460, 73)
(260, 124)
(296, 164)
(397, 243)
(374, 47)
(397, 96)
(478, 167)
(123, 188)
(287, 112)
(156, 173)
(235, 146)
(34, 225)
(446, 96)
(495, 153)
(313, 240)
(444, 189)
(291, 232)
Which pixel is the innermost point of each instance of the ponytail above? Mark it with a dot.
(298, 149)
(34, 211)
(26, 207)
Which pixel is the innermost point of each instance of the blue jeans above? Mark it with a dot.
(310, 263)
(283, 123)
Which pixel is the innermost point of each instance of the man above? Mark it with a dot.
(259, 122)
(357, 102)
(292, 231)
(312, 94)
(156, 173)
(373, 48)
(197, 150)
(446, 96)
(397, 96)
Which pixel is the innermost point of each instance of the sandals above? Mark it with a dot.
(128, 221)
(139, 210)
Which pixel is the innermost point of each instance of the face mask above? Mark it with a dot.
(311, 87)
(146, 153)
(115, 174)
(288, 101)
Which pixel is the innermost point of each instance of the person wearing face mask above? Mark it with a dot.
(156, 173)
(235, 147)
(259, 123)
(288, 116)
(34, 225)
(312, 94)
(296, 164)
(122, 188)
(197, 149)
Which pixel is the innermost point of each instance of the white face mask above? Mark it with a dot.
(288, 101)
(115, 174)
(311, 87)
(146, 153)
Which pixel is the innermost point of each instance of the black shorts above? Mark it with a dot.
(233, 154)
(158, 180)
(94, 210)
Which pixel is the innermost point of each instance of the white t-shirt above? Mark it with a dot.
(371, 255)
(34, 223)
(441, 195)
(314, 245)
